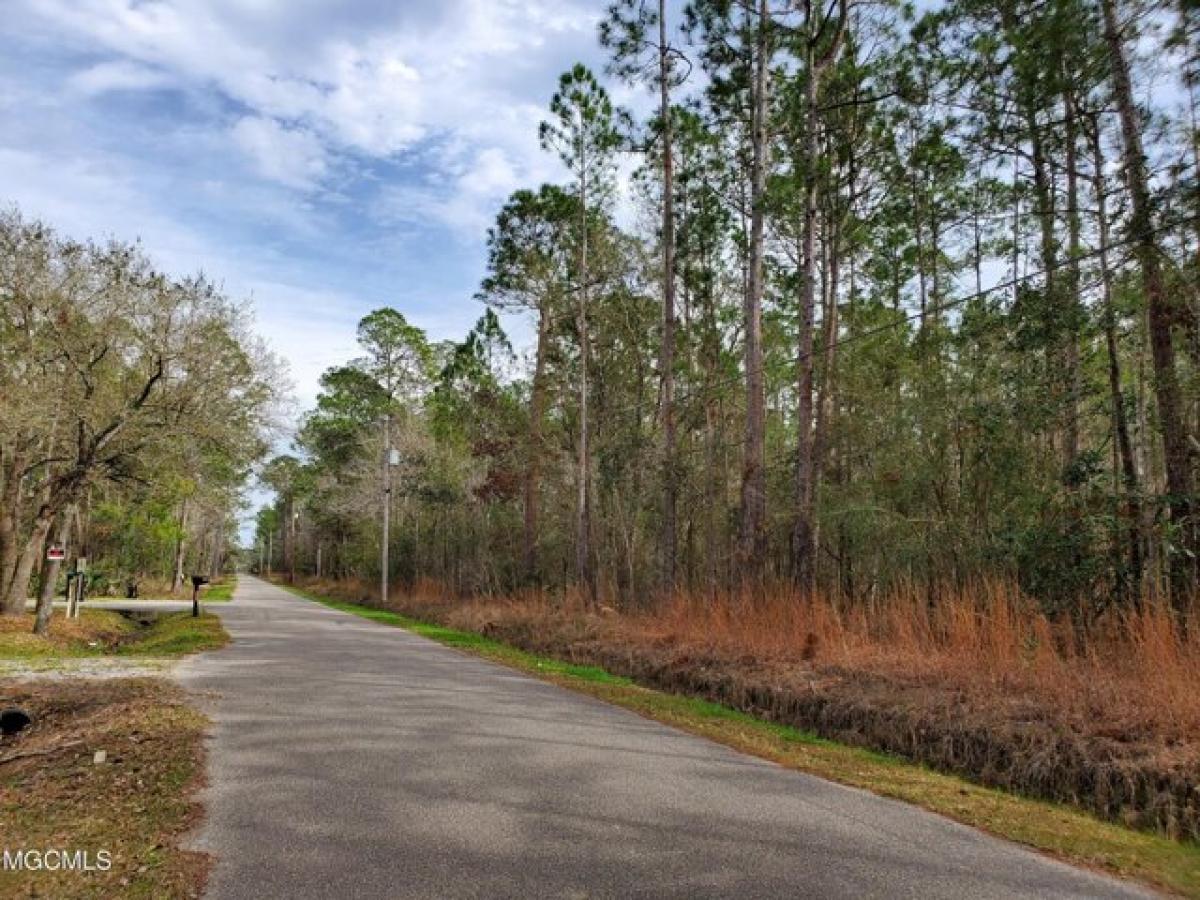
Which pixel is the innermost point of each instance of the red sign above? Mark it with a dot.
(56, 552)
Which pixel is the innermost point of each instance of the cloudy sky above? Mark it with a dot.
(324, 157)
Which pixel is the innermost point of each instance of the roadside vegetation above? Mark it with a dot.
(1053, 828)
(136, 804)
(162, 401)
(877, 418)
(996, 693)
(219, 590)
(108, 633)
(900, 304)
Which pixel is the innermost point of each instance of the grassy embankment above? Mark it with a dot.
(106, 633)
(1060, 830)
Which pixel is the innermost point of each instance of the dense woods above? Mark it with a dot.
(132, 407)
(889, 300)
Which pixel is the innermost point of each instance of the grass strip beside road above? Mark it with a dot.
(1061, 831)
(102, 632)
(221, 592)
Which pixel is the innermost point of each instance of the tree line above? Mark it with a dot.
(132, 408)
(890, 298)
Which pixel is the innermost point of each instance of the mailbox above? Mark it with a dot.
(197, 581)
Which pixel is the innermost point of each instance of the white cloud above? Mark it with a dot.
(362, 121)
(118, 75)
(290, 156)
(77, 197)
(368, 78)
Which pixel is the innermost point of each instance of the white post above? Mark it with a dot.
(77, 594)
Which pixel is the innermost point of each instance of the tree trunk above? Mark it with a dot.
(1042, 190)
(752, 538)
(1129, 473)
(18, 588)
(1159, 316)
(10, 516)
(533, 469)
(803, 550)
(826, 394)
(177, 578)
(50, 570)
(1071, 299)
(670, 463)
(583, 537)
(290, 535)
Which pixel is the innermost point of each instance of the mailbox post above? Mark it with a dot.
(76, 587)
(197, 582)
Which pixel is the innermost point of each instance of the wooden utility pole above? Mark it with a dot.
(387, 509)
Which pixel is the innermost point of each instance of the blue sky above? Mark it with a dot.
(321, 157)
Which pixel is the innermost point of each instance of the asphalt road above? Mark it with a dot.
(355, 760)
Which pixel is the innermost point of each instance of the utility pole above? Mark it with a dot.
(387, 506)
(292, 558)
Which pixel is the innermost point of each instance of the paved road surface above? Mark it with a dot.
(355, 760)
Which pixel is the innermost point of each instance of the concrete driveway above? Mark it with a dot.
(355, 760)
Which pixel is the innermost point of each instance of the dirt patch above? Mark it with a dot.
(69, 668)
(136, 804)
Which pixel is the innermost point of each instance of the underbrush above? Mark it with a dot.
(1106, 717)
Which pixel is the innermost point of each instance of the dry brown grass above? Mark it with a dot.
(138, 804)
(95, 628)
(1133, 670)
(1106, 717)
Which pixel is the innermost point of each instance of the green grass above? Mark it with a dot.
(102, 632)
(221, 592)
(177, 634)
(1062, 831)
